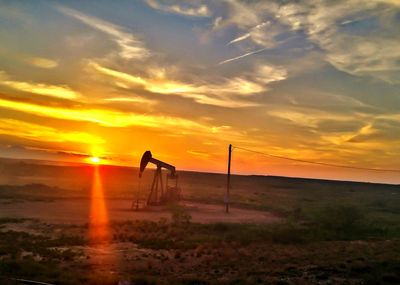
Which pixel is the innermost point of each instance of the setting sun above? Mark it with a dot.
(94, 160)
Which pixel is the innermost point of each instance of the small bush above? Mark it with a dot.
(220, 227)
(289, 234)
(179, 215)
(341, 221)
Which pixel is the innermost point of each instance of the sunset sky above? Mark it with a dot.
(311, 80)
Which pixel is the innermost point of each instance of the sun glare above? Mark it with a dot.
(94, 160)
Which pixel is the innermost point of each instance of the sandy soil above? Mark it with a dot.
(77, 211)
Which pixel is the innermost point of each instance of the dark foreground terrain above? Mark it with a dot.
(303, 231)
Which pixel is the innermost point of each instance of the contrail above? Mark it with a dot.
(241, 56)
(245, 36)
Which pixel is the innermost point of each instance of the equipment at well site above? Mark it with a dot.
(160, 193)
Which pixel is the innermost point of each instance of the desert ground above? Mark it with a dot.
(56, 226)
(77, 211)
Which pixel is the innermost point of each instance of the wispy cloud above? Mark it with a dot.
(136, 80)
(42, 133)
(383, 131)
(371, 53)
(130, 46)
(103, 117)
(140, 100)
(245, 15)
(168, 125)
(58, 91)
(42, 62)
(201, 94)
(266, 73)
(156, 85)
(222, 94)
(198, 153)
(192, 9)
(308, 118)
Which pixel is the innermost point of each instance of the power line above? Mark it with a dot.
(316, 162)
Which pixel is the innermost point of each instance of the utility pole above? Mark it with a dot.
(228, 183)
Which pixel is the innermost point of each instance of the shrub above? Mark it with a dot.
(179, 215)
(344, 221)
(288, 234)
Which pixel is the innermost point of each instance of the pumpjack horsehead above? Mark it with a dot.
(161, 194)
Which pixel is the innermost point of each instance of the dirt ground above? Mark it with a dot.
(77, 211)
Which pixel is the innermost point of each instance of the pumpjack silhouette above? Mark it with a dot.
(160, 194)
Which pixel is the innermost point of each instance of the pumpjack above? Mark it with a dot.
(159, 193)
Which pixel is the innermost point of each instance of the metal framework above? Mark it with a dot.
(160, 193)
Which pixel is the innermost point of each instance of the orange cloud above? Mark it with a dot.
(58, 91)
(103, 117)
(42, 62)
(42, 133)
